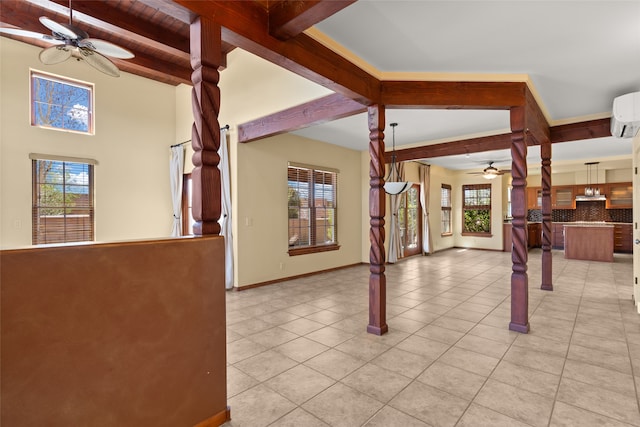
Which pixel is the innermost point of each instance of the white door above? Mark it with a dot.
(636, 221)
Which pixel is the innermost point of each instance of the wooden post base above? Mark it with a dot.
(519, 328)
(378, 330)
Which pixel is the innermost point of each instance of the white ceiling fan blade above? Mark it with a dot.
(106, 48)
(54, 55)
(58, 28)
(30, 34)
(99, 62)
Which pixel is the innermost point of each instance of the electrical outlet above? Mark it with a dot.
(282, 266)
(17, 224)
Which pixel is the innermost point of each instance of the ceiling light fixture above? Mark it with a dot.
(490, 173)
(392, 184)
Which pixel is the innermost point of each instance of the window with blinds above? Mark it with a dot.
(476, 210)
(63, 207)
(445, 209)
(311, 209)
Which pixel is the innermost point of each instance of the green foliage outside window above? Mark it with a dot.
(477, 221)
(294, 203)
(53, 180)
(476, 207)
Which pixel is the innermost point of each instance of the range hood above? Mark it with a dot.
(598, 198)
(591, 194)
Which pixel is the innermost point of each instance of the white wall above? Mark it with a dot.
(135, 125)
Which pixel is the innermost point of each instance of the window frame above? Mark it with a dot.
(445, 210)
(39, 237)
(465, 207)
(313, 246)
(89, 87)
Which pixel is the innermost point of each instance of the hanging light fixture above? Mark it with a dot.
(490, 172)
(392, 184)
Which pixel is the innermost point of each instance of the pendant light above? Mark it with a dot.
(392, 184)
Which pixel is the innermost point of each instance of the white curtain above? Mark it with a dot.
(225, 214)
(396, 251)
(425, 178)
(176, 170)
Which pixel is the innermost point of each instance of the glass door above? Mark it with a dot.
(410, 221)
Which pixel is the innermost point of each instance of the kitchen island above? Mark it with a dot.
(590, 241)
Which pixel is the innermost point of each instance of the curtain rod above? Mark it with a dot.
(225, 127)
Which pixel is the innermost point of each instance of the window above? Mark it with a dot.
(445, 209)
(187, 216)
(312, 210)
(62, 201)
(476, 210)
(60, 103)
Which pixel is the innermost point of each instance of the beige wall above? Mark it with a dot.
(440, 176)
(134, 127)
(497, 192)
(261, 208)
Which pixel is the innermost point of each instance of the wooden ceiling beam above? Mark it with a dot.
(289, 18)
(561, 133)
(246, 25)
(108, 12)
(168, 7)
(535, 122)
(452, 95)
(465, 146)
(328, 108)
(599, 128)
(22, 14)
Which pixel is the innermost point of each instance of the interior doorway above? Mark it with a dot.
(410, 221)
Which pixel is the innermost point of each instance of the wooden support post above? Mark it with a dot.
(545, 154)
(206, 57)
(377, 280)
(519, 254)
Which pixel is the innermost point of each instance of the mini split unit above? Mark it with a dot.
(625, 120)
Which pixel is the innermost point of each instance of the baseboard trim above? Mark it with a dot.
(216, 420)
(298, 276)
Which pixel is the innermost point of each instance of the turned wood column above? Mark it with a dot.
(519, 254)
(377, 280)
(206, 57)
(545, 154)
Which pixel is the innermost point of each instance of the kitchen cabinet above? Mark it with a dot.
(563, 197)
(534, 235)
(534, 198)
(507, 241)
(591, 242)
(557, 236)
(620, 195)
(623, 238)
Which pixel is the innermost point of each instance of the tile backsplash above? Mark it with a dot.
(584, 211)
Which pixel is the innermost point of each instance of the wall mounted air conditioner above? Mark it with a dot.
(625, 120)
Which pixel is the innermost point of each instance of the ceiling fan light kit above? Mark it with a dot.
(70, 41)
(490, 172)
(392, 183)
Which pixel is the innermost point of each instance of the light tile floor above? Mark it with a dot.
(298, 353)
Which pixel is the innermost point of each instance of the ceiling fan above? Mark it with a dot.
(70, 41)
(491, 172)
